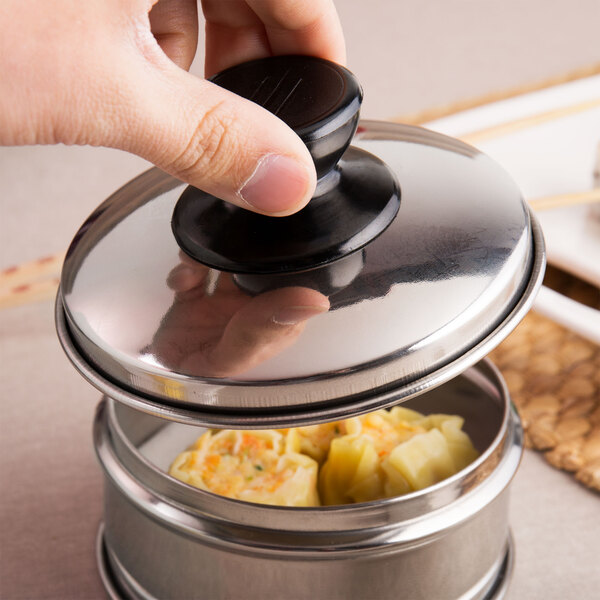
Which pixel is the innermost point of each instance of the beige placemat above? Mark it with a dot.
(553, 376)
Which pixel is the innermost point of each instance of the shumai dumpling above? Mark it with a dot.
(315, 440)
(355, 470)
(351, 472)
(423, 460)
(430, 457)
(390, 453)
(257, 466)
(459, 444)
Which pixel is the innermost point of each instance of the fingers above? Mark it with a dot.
(174, 24)
(234, 34)
(209, 137)
(238, 31)
(302, 27)
(261, 329)
(122, 90)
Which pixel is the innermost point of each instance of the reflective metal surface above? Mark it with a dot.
(446, 282)
(120, 585)
(448, 541)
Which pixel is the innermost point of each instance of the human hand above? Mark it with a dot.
(217, 330)
(113, 73)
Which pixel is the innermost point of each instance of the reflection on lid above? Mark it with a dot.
(215, 329)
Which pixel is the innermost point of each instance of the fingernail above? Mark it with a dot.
(292, 315)
(277, 185)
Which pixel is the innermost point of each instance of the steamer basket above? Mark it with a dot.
(420, 255)
(165, 539)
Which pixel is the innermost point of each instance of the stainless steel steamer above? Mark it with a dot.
(428, 257)
(164, 539)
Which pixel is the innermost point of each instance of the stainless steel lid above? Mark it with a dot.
(439, 288)
(418, 248)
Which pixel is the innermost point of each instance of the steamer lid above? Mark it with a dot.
(421, 246)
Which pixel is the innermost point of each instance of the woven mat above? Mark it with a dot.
(553, 376)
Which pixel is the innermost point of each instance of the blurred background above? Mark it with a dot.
(410, 56)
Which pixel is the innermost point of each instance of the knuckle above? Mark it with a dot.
(209, 148)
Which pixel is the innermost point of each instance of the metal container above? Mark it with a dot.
(423, 256)
(165, 539)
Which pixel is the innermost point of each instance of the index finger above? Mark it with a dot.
(238, 30)
(310, 27)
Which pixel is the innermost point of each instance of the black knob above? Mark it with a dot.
(318, 99)
(356, 197)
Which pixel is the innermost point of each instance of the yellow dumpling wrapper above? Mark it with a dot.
(351, 473)
(382, 454)
(258, 466)
(461, 448)
(315, 440)
(423, 460)
(354, 471)
(390, 453)
(400, 414)
(395, 484)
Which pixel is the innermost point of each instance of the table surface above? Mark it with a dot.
(51, 500)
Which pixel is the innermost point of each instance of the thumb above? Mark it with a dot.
(216, 141)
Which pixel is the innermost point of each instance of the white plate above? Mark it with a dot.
(556, 157)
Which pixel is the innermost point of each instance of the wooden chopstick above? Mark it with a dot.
(496, 131)
(439, 112)
(32, 281)
(564, 200)
(26, 293)
(25, 273)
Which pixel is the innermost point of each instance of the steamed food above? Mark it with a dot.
(258, 466)
(379, 455)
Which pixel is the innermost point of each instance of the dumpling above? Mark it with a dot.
(351, 473)
(355, 471)
(382, 454)
(423, 460)
(315, 440)
(459, 444)
(390, 453)
(258, 466)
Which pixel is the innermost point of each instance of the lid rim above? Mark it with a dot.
(329, 410)
(466, 269)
